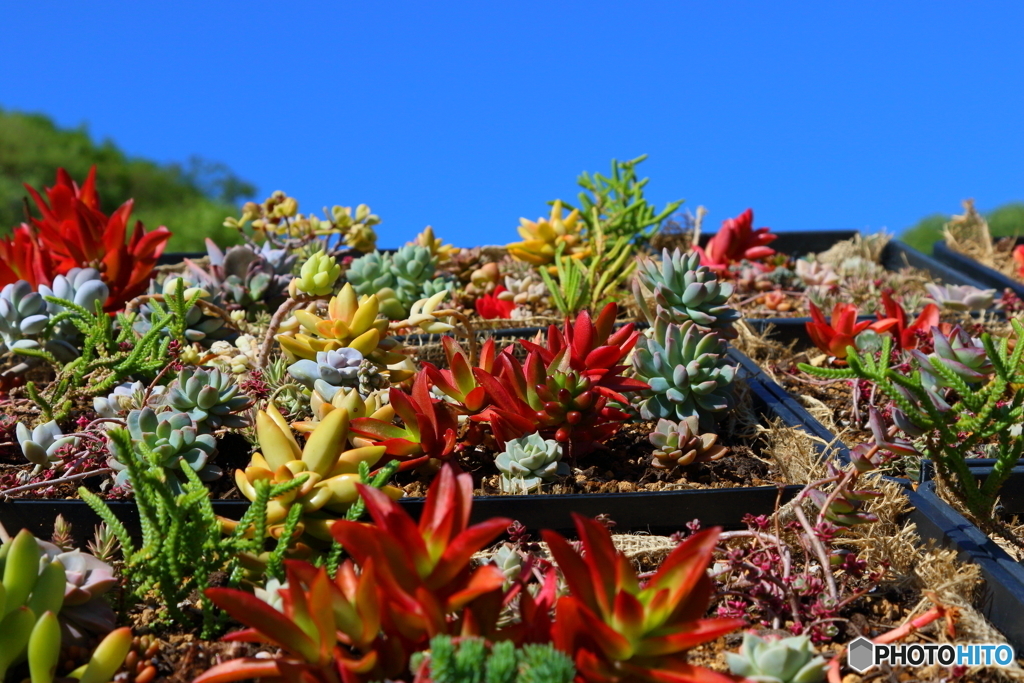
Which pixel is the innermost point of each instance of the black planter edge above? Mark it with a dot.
(1001, 598)
(661, 512)
(988, 277)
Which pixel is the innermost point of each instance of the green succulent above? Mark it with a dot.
(685, 290)
(687, 371)
(198, 326)
(528, 462)
(167, 439)
(318, 274)
(244, 277)
(399, 280)
(472, 660)
(209, 397)
(786, 660)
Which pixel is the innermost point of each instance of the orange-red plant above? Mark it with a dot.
(908, 336)
(489, 306)
(835, 336)
(616, 629)
(736, 240)
(74, 233)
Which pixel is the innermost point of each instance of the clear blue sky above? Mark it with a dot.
(466, 116)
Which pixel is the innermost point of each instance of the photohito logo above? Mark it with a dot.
(862, 654)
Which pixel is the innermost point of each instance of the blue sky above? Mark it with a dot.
(466, 116)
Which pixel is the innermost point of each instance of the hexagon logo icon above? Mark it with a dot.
(860, 654)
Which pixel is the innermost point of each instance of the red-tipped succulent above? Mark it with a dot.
(835, 336)
(735, 241)
(73, 232)
(908, 336)
(425, 571)
(617, 629)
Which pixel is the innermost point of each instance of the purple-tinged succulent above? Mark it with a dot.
(959, 354)
(960, 297)
(85, 612)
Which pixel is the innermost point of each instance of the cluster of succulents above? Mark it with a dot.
(83, 287)
(37, 594)
(957, 355)
(318, 274)
(685, 290)
(245, 277)
(329, 372)
(960, 297)
(199, 325)
(208, 397)
(125, 397)
(278, 220)
(688, 373)
(398, 279)
(166, 439)
(528, 462)
(678, 444)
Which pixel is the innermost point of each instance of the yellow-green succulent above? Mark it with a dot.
(330, 468)
(318, 274)
(542, 237)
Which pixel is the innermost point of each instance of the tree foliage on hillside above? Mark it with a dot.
(191, 199)
(1006, 221)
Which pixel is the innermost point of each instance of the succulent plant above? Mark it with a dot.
(125, 397)
(678, 444)
(685, 290)
(814, 273)
(246, 277)
(40, 445)
(330, 471)
(527, 290)
(783, 660)
(209, 397)
(438, 249)
(81, 286)
(171, 437)
(350, 323)
(200, 326)
(399, 279)
(509, 560)
(957, 353)
(542, 237)
(960, 297)
(318, 274)
(422, 314)
(528, 462)
(687, 371)
(326, 398)
(23, 313)
(34, 587)
(85, 612)
(335, 368)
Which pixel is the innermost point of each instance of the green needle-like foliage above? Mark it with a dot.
(110, 354)
(590, 286)
(182, 544)
(952, 408)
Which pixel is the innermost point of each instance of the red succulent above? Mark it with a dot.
(616, 629)
(737, 240)
(908, 336)
(73, 232)
(1018, 258)
(835, 336)
(489, 306)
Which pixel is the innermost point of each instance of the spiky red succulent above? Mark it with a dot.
(489, 306)
(73, 232)
(833, 337)
(617, 629)
(908, 336)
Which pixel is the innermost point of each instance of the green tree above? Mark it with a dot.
(191, 199)
(1006, 221)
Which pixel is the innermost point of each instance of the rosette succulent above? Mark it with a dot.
(784, 660)
(335, 368)
(542, 237)
(167, 439)
(23, 314)
(40, 445)
(210, 397)
(318, 274)
(85, 612)
(398, 279)
(960, 297)
(687, 371)
(124, 397)
(678, 444)
(246, 277)
(956, 355)
(685, 290)
(528, 462)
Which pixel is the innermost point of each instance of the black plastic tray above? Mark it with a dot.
(989, 277)
(1001, 598)
(661, 512)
